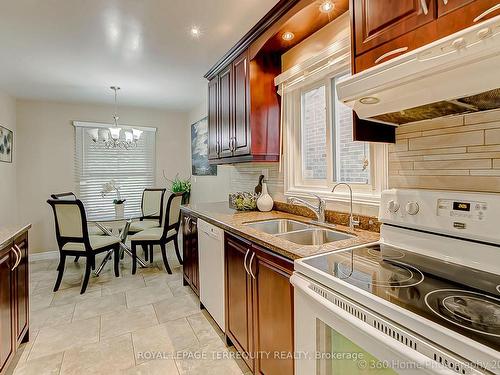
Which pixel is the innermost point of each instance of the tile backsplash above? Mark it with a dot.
(455, 153)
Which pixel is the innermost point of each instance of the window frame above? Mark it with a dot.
(81, 176)
(295, 184)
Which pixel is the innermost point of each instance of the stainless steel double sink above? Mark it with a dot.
(298, 232)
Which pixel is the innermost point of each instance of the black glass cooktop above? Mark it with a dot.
(461, 298)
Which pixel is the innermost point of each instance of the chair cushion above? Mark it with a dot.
(96, 242)
(153, 234)
(95, 231)
(138, 226)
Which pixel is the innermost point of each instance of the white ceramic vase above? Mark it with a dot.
(265, 202)
(120, 210)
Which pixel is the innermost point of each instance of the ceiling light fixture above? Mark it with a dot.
(195, 32)
(288, 35)
(110, 137)
(326, 6)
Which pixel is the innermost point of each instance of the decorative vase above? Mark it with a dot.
(119, 210)
(265, 202)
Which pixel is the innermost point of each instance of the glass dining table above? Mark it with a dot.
(122, 223)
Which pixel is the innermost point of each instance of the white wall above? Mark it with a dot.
(207, 188)
(45, 151)
(8, 195)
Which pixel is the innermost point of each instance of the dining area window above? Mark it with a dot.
(130, 169)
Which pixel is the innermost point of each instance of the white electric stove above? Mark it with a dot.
(425, 299)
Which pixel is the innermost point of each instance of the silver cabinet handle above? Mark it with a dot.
(425, 8)
(486, 12)
(390, 53)
(250, 265)
(234, 144)
(17, 258)
(217, 148)
(245, 262)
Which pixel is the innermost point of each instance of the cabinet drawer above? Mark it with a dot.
(379, 21)
(450, 22)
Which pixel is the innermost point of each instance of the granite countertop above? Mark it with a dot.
(9, 232)
(233, 221)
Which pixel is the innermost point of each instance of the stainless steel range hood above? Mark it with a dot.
(452, 76)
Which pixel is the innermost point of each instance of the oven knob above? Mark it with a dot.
(412, 208)
(393, 206)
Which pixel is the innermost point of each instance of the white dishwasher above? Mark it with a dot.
(211, 270)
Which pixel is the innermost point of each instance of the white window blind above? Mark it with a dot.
(133, 170)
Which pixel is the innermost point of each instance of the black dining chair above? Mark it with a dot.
(73, 239)
(161, 236)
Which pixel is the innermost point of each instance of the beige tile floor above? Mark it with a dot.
(136, 324)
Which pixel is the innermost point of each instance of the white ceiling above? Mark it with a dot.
(73, 50)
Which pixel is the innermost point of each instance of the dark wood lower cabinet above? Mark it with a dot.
(239, 321)
(273, 313)
(259, 306)
(6, 309)
(14, 298)
(190, 252)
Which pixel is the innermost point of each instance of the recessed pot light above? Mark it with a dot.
(369, 100)
(288, 35)
(195, 32)
(326, 6)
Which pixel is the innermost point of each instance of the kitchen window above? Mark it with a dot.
(133, 170)
(319, 149)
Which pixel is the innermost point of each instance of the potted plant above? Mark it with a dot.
(180, 185)
(119, 203)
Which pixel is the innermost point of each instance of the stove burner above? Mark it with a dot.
(473, 311)
(389, 274)
(386, 253)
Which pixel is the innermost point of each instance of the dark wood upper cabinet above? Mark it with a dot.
(384, 29)
(384, 43)
(247, 124)
(225, 112)
(446, 6)
(241, 121)
(213, 116)
(379, 21)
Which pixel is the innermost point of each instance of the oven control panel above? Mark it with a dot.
(462, 210)
(463, 214)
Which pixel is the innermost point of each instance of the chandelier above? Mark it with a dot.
(111, 137)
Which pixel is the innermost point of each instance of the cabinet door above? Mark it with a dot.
(241, 108)
(379, 21)
(239, 298)
(213, 118)
(186, 246)
(225, 112)
(195, 273)
(273, 316)
(446, 6)
(6, 308)
(21, 294)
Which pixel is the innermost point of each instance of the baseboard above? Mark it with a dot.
(46, 255)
